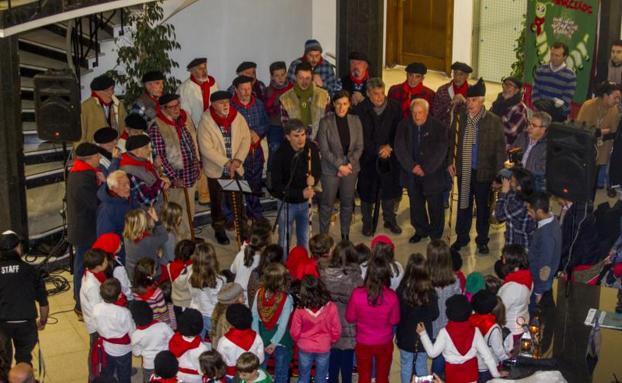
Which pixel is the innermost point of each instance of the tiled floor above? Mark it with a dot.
(64, 342)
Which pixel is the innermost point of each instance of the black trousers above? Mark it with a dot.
(217, 196)
(22, 337)
(388, 211)
(427, 213)
(480, 191)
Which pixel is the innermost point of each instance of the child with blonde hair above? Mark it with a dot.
(143, 236)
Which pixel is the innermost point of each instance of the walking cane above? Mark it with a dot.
(189, 213)
(454, 155)
(236, 215)
(310, 185)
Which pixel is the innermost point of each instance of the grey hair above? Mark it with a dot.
(374, 83)
(113, 178)
(544, 118)
(421, 102)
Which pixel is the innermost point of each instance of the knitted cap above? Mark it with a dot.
(382, 238)
(230, 293)
(239, 316)
(165, 365)
(458, 308)
(190, 323)
(312, 45)
(475, 282)
(108, 242)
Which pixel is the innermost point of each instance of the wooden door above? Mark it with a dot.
(420, 30)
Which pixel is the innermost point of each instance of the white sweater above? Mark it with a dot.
(89, 297)
(113, 321)
(243, 273)
(205, 299)
(190, 360)
(445, 346)
(515, 297)
(148, 342)
(191, 99)
(495, 343)
(231, 352)
(120, 273)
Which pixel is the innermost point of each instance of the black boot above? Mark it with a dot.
(221, 237)
(345, 237)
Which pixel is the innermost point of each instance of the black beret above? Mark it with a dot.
(416, 68)
(135, 121)
(141, 312)
(458, 308)
(165, 365)
(105, 135)
(137, 142)
(190, 323)
(239, 316)
(478, 89)
(242, 80)
(8, 240)
(102, 82)
(358, 56)
(245, 65)
(154, 75)
(220, 95)
(514, 80)
(277, 65)
(86, 149)
(484, 302)
(168, 97)
(461, 67)
(195, 62)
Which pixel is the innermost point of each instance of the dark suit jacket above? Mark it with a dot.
(82, 208)
(433, 151)
(331, 150)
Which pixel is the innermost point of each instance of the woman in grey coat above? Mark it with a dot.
(340, 137)
(342, 274)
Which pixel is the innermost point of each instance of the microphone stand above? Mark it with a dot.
(285, 192)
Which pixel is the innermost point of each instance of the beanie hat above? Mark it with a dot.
(229, 293)
(458, 308)
(312, 45)
(382, 238)
(484, 302)
(475, 282)
(8, 240)
(108, 242)
(141, 312)
(239, 316)
(190, 323)
(165, 365)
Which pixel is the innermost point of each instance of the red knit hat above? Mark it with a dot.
(108, 242)
(382, 238)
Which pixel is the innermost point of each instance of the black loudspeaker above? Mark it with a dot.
(570, 161)
(57, 106)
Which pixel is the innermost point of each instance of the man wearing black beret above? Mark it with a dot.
(101, 109)
(146, 105)
(451, 97)
(82, 183)
(355, 82)
(412, 88)
(249, 69)
(134, 125)
(510, 107)
(106, 139)
(173, 135)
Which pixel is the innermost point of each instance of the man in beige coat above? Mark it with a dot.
(224, 141)
(101, 110)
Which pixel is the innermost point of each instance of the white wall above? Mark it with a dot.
(463, 31)
(324, 24)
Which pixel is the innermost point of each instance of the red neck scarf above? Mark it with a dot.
(237, 101)
(176, 267)
(178, 345)
(241, 338)
(270, 308)
(522, 277)
(100, 276)
(156, 101)
(483, 322)
(101, 101)
(148, 293)
(121, 300)
(205, 89)
(127, 159)
(460, 90)
(360, 81)
(408, 92)
(81, 166)
(224, 122)
(147, 325)
(155, 379)
(461, 334)
(179, 124)
(125, 135)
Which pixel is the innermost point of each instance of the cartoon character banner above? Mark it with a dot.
(572, 22)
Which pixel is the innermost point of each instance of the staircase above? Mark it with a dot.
(55, 46)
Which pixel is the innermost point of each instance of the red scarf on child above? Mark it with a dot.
(147, 325)
(179, 124)
(224, 122)
(460, 89)
(270, 309)
(179, 346)
(241, 338)
(205, 89)
(483, 322)
(461, 334)
(522, 277)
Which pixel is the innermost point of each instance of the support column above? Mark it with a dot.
(13, 213)
(360, 27)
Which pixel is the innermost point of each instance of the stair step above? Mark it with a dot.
(43, 174)
(43, 152)
(38, 43)
(43, 63)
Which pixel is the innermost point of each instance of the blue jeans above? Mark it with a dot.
(305, 361)
(601, 176)
(341, 361)
(119, 366)
(281, 364)
(438, 365)
(78, 272)
(407, 359)
(298, 213)
(207, 325)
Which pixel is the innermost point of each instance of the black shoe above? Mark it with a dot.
(345, 237)
(455, 246)
(393, 227)
(367, 231)
(483, 249)
(221, 238)
(416, 238)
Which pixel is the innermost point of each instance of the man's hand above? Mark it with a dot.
(101, 178)
(308, 193)
(344, 170)
(317, 80)
(505, 185)
(157, 162)
(385, 151)
(458, 99)
(357, 97)
(452, 170)
(310, 181)
(41, 323)
(232, 167)
(116, 152)
(166, 181)
(254, 137)
(418, 171)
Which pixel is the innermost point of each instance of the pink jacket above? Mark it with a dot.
(316, 332)
(374, 324)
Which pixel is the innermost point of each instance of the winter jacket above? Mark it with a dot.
(374, 324)
(147, 247)
(81, 208)
(316, 331)
(406, 337)
(111, 212)
(340, 282)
